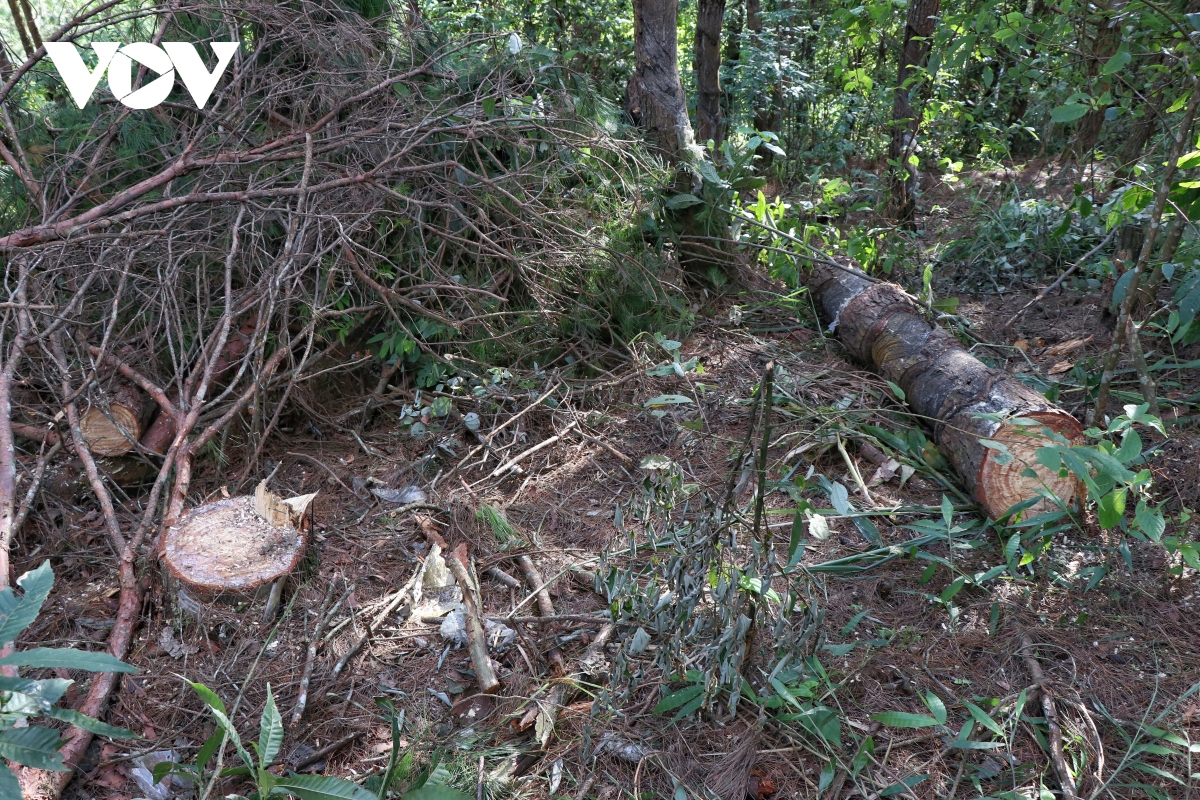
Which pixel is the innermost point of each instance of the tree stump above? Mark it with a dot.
(113, 431)
(235, 548)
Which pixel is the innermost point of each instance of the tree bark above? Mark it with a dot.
(1104, 45)
(710, 122)
(19, 22)
(949, 388)
(914, 53)
(656, 98)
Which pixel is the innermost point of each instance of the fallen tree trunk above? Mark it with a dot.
(881, 326)
(114, 431)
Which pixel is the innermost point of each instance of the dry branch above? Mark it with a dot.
(485, 674)
(1046, 693)
(545, 606)
(314, 638)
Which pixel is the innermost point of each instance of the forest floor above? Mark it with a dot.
(1117, 656)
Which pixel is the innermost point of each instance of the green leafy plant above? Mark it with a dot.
(258, 759)
(24, 699)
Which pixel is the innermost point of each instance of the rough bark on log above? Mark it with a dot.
(235, 547)
(113, 431)
(947, 386)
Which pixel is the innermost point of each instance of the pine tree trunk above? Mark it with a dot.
(710, 123)
(949, 388)
(914, 53)
(656, 97)
(1104, 45)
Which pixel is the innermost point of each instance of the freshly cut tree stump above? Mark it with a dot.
(881, 326)
(237, 547)
(115, 430)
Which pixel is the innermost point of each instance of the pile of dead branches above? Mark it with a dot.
(175, 279)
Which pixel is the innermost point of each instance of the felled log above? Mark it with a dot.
(113, 431)
(237, 547)
(949, 388)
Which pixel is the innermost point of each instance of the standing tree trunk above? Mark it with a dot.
(22, 32)
(922, 21)
(710, 122)
(656, 99)
(1104, 45)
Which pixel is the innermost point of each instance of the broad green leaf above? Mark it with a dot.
(10, 787)
(1189, 160)
(903, 786)
(324, 787)
(826, 778)
(209, 748)
(950, 591)
(1111, 508)
(17, 615)
(936, 707)
(208, 696)
(902, 719)
(1119, 61)
(863, 756)
(983, 718)
(1012, 548)
(67, 659)
(1150, 520)
(676, 699)
(668, 400)
(34, 746)
(1068, 113)
(270, 733)
(84, 722)
(681, 201)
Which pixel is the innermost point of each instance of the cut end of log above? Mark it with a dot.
(103, 432)
(228, 547)
(1000, 486)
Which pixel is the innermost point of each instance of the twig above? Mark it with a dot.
(485, 675)
(552, 619)
(324, 466)
(503, 577)
(1057, 757)
(767, 381)
(854, 473)
(324, 751)
(412, 587)
(1066, 274)
(624, 459)
(311, 656)
(488, 439)
(545, 606)
(564, 690)
(456, 560)
(512, 462)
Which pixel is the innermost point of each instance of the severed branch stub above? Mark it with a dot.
(237, 547)
(958, 396)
